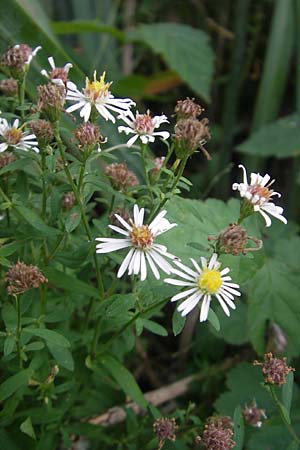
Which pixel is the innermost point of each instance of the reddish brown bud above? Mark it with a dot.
(253, 415)
(234, 240)
(9, 86)
(89, 134)
(120, 176)
(187, 108)
(274, 370)
(6, 158)
(191, 134)
(68, 200)
(17, 59)
(43, 131)
(51, 100)
(21, 277)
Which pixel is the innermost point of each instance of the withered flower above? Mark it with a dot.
(234, 239)
(274, 370)
(253, 415)
(68, 200)
(191, 134)
(187, 108)
(9, 86)
(18, 58)
(120, 176)
(165, 430)
(89, 135)
(21, 277)
(43, 131)
(51, 100)
(217, 434)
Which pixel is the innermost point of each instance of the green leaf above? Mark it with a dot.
(293, 446)
(273, 437)
(124, 379)
(9, 344)
(27, 428)
(154, 327)
(287, 392)
(177, 322)
(35, 221)
(273, 296)
(185, 49)
(213, 320)
(50, 336)
(73, 219)
(239, 428)
(280, 139)
(69, 283)
(86, 26)
(13, 383)
(62, 356)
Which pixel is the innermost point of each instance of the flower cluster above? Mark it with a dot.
(22, 277)
(274, 370)
(217, 434)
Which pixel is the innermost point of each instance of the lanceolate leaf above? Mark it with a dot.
(185, 49)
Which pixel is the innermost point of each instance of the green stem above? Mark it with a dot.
(18, 329)
(283, 418)
(146, 175)
(81, 175)
(44, 187)
(79, 202)
(21, 96)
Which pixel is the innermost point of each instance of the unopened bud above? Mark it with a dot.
(6, 158)
(88, 135)
(191, 134)
(187, 108)
(43, 131)
(120, 176)
(18, 58)
(9, 86)
(68, 200)
(51, 100)
(253, 415)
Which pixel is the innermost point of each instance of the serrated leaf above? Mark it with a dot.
(50, 336)
(280, 139)
(27, 428)
(124, 379)
(13, 383)
(185, 49)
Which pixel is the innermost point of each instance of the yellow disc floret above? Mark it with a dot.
(141, 237)
(95, 89)
(210, 281)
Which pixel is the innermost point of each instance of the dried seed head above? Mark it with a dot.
(6, 158)
(124, 213)
(21, 277)
(165, 429)
(217, 434)
(43, 131)
(68, 200)
(120, 176)
(233, 240)
(187, 108)
(9, 86)
(253, 415)
(274, 370)
(88, 135)
(51, 100)
(191, 134)
(17, 59)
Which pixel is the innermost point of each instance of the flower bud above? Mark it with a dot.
(6, 158)
(191, 134)
(88, 135)
(51, 100)
(253, 415)
(68, 200)
(18, 58)
(43, 131)
(165, 429)
(120, 176)
(187, 108)
(217, 434)
(9, 87)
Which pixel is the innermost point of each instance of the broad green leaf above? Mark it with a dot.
(234, 329)
(13, 383)
(7, 441)
(239, 428)
(35, 221)
(27, 428)
(185, 49)
(154, 327)
(280, 139)
(293, 446)
(124, 379)
(177, 322)
(69, 283)
(273, 437)
(62, 356)
(213, 320)
(73, 219)
(50, 336)
(9, 344)
(287, 392)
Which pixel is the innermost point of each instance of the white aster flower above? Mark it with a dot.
(259, 194)
(143, 126)
(140, 239)
(96, 93)
(58, 75)
(13, 136)
(202, 284)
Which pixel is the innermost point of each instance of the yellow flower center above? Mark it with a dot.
(13, 136)
(210, 281)
(141, 236)
(95, 89)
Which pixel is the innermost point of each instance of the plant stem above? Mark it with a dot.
(283, 418)
(79, 202)
(18, 329)
(146, 175)
(21, 96)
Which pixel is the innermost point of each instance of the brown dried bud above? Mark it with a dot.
(158, 163)
(217, 434)
(21, 277)
(6, 158)
(17, 59)
(253, 415)
(88, 135)
(43, 131)
(9, 86)
(124, 213)
(275, 370)
(165, 429)
(234, 239)
(68, 200)
(191, 134)
(187, 108)
(51, 100)
(120, 176)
